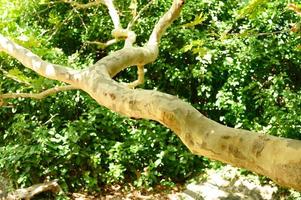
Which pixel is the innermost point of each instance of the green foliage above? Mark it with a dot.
(252, 8)
(69, 136)
(238, 63)
(256, 62)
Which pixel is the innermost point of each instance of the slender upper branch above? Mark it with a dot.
(113, 13)
(34, 62)
(165, 21)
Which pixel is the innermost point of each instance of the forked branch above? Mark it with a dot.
(250, 150)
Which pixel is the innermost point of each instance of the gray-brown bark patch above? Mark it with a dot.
(112, 96)
(236, 152)
(259, 145)
(225, 137)
(169, 119)
(132, 104)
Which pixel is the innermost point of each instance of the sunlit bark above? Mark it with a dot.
(277, 158)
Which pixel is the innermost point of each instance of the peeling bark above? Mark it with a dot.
(277, 158)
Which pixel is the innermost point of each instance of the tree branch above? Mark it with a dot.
(277, 158)
(130, 56)
(38, 95)
(103, 45)
(32, 61)
(140, 79)
(165, 21)
(113, 13)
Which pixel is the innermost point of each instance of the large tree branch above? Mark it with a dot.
(129, 56)
(277, 158)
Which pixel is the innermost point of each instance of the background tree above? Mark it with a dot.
(61, 138)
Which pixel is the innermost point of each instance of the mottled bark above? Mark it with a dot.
(277, 158)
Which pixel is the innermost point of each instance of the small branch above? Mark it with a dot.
(113, 13)
(108, 3)
(28, 193)
(84, 6)
(140, 79)
(38, 95)
(119, 33)
(131, 38)
(103, 45)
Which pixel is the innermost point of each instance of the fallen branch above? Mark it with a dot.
(28, 193)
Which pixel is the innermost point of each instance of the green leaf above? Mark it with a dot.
(252, 8)
(17, 75)
(199, 19)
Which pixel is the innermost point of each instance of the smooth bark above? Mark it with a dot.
(277, 158)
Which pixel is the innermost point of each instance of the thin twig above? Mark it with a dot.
(38, 95)
(84, 6)
(133, 21)
(60, 25)
(103, 45)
